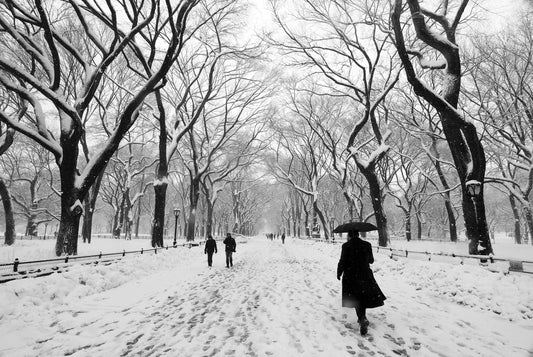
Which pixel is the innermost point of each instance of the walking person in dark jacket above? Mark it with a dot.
(230, 249)
(359, 288)
(210, 248)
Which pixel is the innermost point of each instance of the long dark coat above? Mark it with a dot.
(358, 283)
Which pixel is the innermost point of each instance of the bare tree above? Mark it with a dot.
(31, 183)
(351, 67)
(39, 33)
(6, 139)
(499, 90)
(464, 143)
(420, 120)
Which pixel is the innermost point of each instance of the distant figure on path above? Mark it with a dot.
(210, 248)
(230, 249)
(283, 238)
(359, 288)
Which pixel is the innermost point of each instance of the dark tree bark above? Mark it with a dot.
(90, 204)
(54, 48)
(377, 203)
(408, 233)
(6, 140)
(194, 196)
(465, 146)
(529, 222)
(9, 234)
(516, 215)
(158, 224)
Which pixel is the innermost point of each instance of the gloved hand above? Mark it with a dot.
(338, 277)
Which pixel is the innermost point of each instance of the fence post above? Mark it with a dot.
(123, 252)
(16, 265)
(142, 250)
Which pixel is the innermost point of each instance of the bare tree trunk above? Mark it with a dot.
(529, 221)
(463, 141)
(9, 234)
(194, 197)
(408, 226)
(516, 215)
(158, 225)
(67, 236)
(209, 223)
(351, 205)
(90, 204)
(419, 227)
(322, 219)
(447, 200)
(377, 204)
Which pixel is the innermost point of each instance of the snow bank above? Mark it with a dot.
(510, 296)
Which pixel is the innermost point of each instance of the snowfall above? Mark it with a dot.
(277, 300)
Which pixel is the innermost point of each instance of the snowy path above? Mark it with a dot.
(278, 300)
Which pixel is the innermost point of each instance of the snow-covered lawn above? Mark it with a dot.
(32, 249)
(503, 247)
(278, 300)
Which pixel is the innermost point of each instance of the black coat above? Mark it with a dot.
(230, 244)
(210, 246)
(358, 283)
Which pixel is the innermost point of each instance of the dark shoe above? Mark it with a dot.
(363, 326)
(363, 329)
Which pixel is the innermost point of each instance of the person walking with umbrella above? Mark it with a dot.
(359, 288)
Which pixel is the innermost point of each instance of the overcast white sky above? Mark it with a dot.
(499, 14)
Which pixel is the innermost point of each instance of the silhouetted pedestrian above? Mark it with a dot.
(231, 246)
(283, 238)
(359, 288)
(210, 248)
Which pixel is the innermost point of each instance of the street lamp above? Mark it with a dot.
(177, 212)
(45, 228)
(473, 188)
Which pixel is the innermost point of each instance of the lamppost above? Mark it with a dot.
(473, 188)
(45, 228)
(177, 212)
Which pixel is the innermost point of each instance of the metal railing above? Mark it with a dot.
(36, 268)
(517, 266)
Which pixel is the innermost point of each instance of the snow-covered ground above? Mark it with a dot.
(32, 249)
(278, 300)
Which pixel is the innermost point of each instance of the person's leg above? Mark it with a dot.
(227, 258)
(209, 258)
(361, 318)
(231, 259)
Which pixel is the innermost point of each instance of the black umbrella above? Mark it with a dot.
(355, 226)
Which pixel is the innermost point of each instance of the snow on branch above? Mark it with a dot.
(426, 63)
